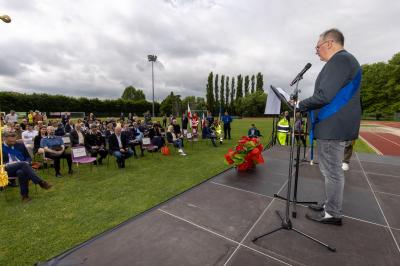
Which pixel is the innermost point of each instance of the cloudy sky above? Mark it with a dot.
(96, 48)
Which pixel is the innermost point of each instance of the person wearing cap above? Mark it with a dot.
(12, 117)
(17, 163)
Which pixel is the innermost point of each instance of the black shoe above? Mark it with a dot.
(13, 184)
(320, 219)
(70, 171)
(317, 207)
(100, 161)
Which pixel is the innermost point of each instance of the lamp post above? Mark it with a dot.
(152, 59)
(3, 172)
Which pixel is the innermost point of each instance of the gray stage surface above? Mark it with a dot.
(213, 223)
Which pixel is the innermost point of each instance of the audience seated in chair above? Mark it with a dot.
(27, 136)
(95, 144)
(54, 149)
(17, 164)
(173, 139)
(69, 127)
(77, 136)
(36, 141)
(118, 146)
(137, 138)
(254, 132)
(209, 133)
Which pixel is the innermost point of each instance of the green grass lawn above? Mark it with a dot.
(81, 206)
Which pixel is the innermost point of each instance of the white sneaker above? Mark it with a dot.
(180, 151)
(183, 154)
(345, 167)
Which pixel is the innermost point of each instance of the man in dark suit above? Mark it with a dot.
(77, 136)
(95, 143)
(18, 164)
(118, 145)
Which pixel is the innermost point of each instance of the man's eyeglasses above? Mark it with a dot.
(319, 45)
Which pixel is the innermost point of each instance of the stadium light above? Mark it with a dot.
(152, 59)
(5, 18)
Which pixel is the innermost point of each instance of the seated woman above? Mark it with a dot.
(171, 138)
(155, 135)
(37, 139)
(209, 133)
(254, 132)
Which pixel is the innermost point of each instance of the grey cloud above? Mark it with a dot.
(81, 49)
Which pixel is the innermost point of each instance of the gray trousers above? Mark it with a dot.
(330, 155)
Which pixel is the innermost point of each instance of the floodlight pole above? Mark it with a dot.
(152, 59)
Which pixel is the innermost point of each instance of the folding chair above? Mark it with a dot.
(147, 145)
(79, 156)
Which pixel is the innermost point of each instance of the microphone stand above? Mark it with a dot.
(295, 97)
(286, 223)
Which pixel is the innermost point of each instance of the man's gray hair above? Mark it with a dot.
(333, 34)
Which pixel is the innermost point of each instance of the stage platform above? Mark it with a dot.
(214, 223)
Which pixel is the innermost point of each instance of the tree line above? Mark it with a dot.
(22, 102)
(380, 86)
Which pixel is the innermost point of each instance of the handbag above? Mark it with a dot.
(165, 150)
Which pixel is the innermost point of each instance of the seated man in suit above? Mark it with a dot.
(54, 149)
(77, 136)
(118, 145)
(17, 163)
(95, 143)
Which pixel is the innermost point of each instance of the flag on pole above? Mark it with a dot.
(189, 115)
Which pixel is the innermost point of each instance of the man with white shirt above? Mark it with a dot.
(118, 145)
(27, 136)
(12, 117)
(77, 136)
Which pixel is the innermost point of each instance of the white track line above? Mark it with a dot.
(222, 236)
(240, 189)
(377, 201)
(259, 218)
(371, 146)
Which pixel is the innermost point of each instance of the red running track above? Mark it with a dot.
(383, 123)
(386, 143)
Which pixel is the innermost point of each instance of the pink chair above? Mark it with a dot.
(79, 156)
(146, 144)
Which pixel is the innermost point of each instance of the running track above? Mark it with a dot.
(385, 143)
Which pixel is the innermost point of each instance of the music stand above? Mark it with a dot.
(286, 223)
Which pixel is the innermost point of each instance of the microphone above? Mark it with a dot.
(300, 75)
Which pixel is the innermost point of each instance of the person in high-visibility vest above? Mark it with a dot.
(282, 130)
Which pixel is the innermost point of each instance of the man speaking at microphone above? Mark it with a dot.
(335, 113)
